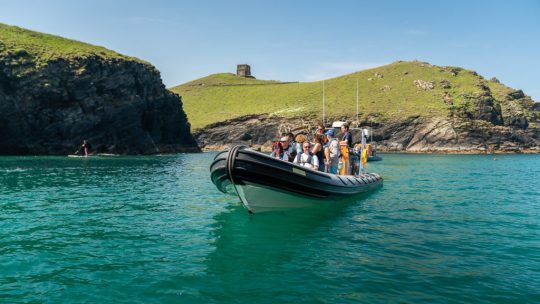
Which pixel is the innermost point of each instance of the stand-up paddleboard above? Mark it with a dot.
(93, 155)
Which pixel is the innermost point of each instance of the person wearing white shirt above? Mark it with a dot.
(306, 158)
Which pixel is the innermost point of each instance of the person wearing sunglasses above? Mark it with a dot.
(306, 158)
(320, 129)
(278, 152)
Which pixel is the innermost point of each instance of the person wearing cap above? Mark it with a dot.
(331, 152)
(285, 143)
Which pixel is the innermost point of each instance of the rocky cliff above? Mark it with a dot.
(51, 99)
(414, 134)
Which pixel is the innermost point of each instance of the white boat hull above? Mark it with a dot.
(257, 198)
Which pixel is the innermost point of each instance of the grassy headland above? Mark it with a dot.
(395, 91)
(45, 47)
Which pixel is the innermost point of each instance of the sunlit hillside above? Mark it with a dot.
(398, 90)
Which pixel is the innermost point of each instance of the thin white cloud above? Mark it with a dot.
(325, 70)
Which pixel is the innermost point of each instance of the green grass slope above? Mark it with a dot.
(385, 93)
(45, 47)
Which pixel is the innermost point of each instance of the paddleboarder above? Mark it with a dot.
(85, 148)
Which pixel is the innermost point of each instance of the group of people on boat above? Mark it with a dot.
(323, 154)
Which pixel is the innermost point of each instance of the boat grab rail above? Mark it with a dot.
(231, 158)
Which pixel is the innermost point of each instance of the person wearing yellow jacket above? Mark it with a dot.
(344, 163)
(345, 143)
(364, 157)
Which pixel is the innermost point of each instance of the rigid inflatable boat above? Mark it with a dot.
(264, 183)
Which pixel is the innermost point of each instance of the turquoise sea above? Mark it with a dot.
(443, 229)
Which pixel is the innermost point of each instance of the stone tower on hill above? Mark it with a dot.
(243, 70)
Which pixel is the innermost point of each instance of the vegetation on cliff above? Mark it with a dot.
(387, 93)
(42, 48)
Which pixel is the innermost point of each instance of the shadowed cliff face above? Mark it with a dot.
(118, 105)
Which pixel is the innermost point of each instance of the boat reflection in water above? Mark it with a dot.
(254, 256)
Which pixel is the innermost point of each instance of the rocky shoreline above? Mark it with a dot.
(451, 135)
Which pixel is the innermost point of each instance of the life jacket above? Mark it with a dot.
(308, 161)
(364, 157)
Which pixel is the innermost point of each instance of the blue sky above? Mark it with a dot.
(300, 40)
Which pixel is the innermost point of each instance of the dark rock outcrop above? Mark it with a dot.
(516, 94)
(519, 121)
(487, 109)
(118, 105)
(480, 107)
(519, 110)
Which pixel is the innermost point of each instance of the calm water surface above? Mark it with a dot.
(443, 229)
